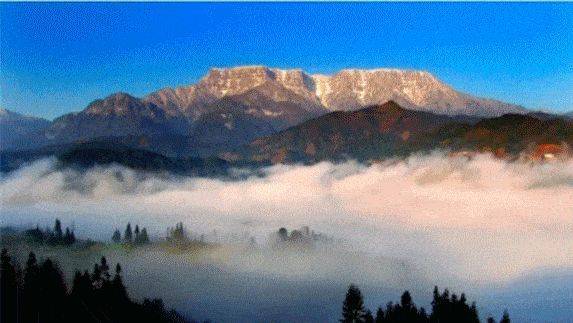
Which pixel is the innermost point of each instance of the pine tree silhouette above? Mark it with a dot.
(128, 235)
(136, 234)
(40, 295)
(104, 268)
(53, 292)
(380, 317)
(505, 317)
(31, 289)
(353, 307)
(58, 230)
(120, 293)
(144, 238)
(8, 289)
(69, 237)
(368, 318)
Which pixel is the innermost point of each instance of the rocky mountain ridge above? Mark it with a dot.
(230, 107)
(349, 89)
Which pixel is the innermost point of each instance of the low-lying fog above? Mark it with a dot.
(488, 227)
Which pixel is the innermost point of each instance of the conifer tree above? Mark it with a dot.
(423, 316)
(119, 291)
(368, 318)
(8, 289)
(69, 237)
(136, 234)
(96, 278)
(505, 317)
(116, 238)
(178, 233)
(283, 234)
(379, 315)
(144, 238)
(41, 296)
(31, 289)
(104, 268)
(353, 307)
(58, 230)
(82, 286)
(128, 235)
(53, 292)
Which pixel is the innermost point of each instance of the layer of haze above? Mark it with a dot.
(472, 224)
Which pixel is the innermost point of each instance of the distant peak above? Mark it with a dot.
(120, 96)
(6, 114)
(390, 105)
(115, 103)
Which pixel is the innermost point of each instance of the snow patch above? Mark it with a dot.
(269, 113)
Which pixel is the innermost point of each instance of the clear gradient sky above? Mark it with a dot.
(58, 57)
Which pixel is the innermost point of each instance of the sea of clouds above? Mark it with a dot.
(450, 220)
(502, 217)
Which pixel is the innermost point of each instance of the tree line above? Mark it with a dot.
(446, 308)
(38, 293)
(301, 237)
(57, 236)
(131, 236)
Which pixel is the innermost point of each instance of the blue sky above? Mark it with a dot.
(58, 57)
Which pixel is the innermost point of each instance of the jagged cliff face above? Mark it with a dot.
(416, 90)
(278, 85)
(352, 89)
(347, 90)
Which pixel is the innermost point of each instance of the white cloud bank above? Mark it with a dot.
(474, 220)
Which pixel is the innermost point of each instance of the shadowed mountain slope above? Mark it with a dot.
(388, 130)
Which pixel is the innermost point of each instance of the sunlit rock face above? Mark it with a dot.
(348, 89)
(279, 85)
(353, 89)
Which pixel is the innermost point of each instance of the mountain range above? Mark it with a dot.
(233, 106)
(266, 115)
(349, 89)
